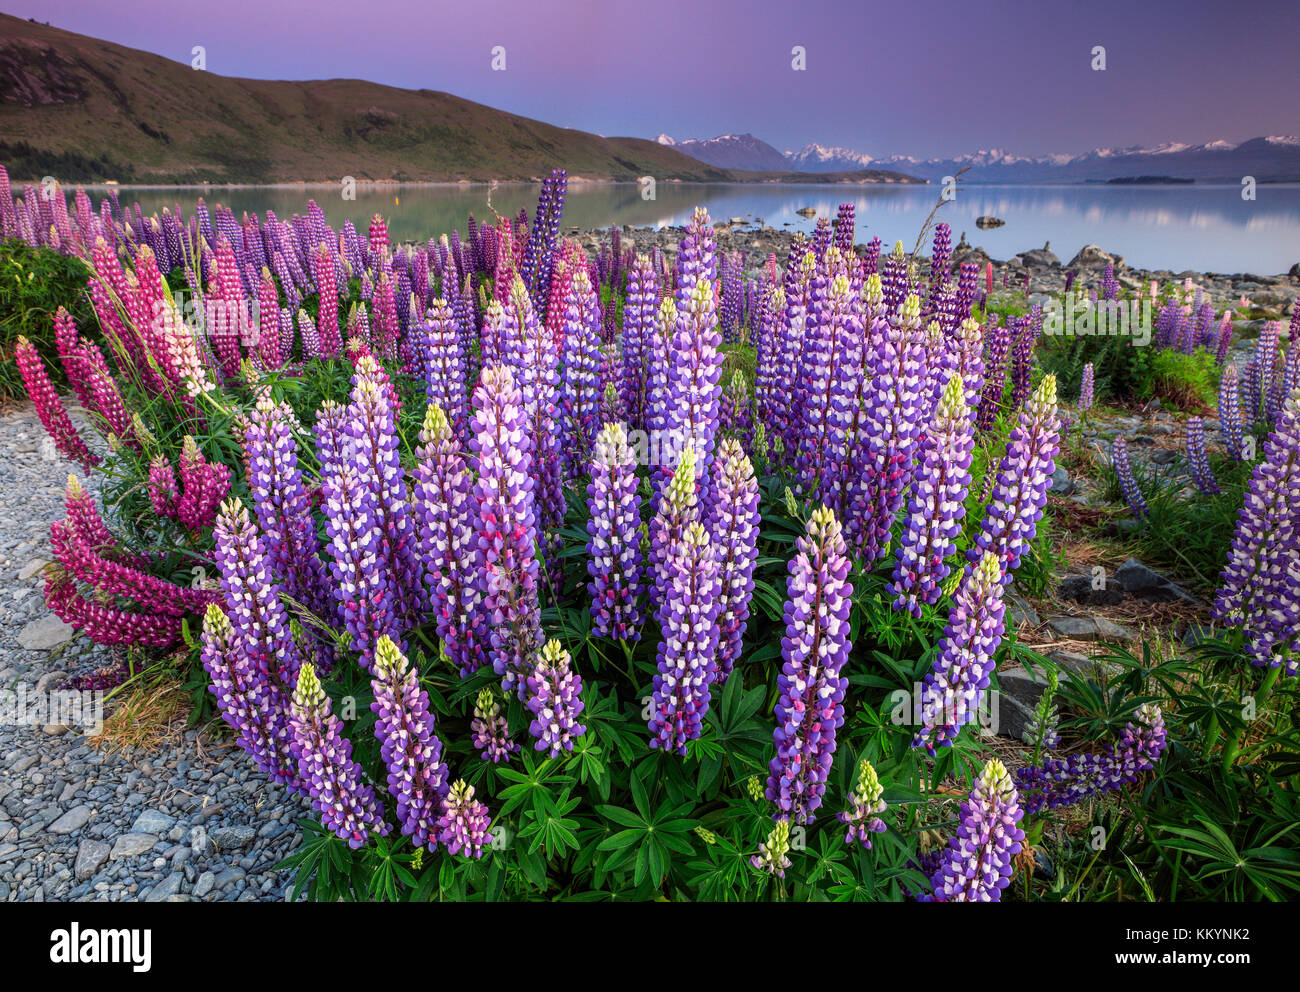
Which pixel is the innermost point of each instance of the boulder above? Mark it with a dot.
(1092, 257)
(1150, 585)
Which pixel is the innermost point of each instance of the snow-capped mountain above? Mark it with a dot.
(731, 151)
(1272, 158)
(817, 158)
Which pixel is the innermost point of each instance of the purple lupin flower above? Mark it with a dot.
(443, 363)
(1230, 420)
(639, 308)
(444, 506)
(490, 734)
(977, 865)
(810, 689)
(1197, 458)
(371, 429)
(282, 505)
(892, 428)
(687, 653)
(362, 585)
(1258, 590)
(506, 526)
(411, 751)
(733, 522)
(832, 359)
(555, 700)
(865, 806)
(270, 655)
(1023, 478)
(1063, 781)
(347, 805)
(936, 506)
(242, 697)
(614, 529)
(539, 382)
(694, 361)
(1128, 484)
(464, 825)
(1086, 389)
(678, 508)
(580, 400)
(997, 348)
(954, 688)
(657, 383)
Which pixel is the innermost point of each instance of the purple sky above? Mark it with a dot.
(927, 79)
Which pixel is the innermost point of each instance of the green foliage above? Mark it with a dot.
(1216, 821)
(34, 283)
(1189, 382)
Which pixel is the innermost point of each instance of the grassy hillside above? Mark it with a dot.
(84, 110)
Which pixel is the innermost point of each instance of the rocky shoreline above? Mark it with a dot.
(193, 820)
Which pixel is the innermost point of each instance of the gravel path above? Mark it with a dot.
(194, 821)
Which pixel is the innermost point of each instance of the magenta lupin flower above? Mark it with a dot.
(977, 865)
(335, 783)
(204, 485)
(936, 506)
(49, 409)
(327, 317)
(954, 688)
(411, 751)
(614, 532)
(810, 689)
(506, 526)
(687, 653)
(733, 522)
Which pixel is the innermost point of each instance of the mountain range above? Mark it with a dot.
(82, 109)
(1268, 159)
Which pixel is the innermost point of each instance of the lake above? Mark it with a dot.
(1177, 227)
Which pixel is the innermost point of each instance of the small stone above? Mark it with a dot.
(168, 887)
(31, 569)
(130, 845)
(1089, 629)
(152, 822)
(1082, 589)
(73, 819)
(1022, 614)
(233, 838)
(90, 855)
(45, 634)
(204, 885)
(1148, 584)
(199, 839)
(1062, 485)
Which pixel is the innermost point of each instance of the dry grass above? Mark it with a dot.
(149, 715)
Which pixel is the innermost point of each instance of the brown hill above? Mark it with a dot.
(82, 110)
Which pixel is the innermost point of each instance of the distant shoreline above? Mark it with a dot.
(382, 184)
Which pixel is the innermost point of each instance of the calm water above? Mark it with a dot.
(1206, 228)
